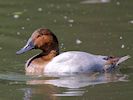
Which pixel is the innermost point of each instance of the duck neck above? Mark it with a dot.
(51, 50)
(43, 57)
(49, 54)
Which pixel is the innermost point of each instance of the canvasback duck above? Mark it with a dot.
(50, 61)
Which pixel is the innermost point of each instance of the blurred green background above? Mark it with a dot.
(97, 26)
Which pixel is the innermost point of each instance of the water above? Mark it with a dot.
(95, 26)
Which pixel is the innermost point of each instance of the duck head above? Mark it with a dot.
(42, 39)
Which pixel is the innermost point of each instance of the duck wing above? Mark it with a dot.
(75, 61)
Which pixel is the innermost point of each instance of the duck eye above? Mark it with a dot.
(38, 35)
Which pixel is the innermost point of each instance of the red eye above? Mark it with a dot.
(38, 35)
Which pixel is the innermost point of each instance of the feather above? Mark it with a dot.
(122, 59)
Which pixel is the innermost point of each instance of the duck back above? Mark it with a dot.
(75, 61)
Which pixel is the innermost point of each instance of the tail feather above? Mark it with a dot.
(112, 62)
(122, 59)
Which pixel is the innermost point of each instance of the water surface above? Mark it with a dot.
(97, 26)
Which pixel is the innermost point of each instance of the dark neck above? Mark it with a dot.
(47, 52)
(48, 55)
(44, 56)
(51, 46)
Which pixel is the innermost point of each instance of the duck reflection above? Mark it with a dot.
(74, 85)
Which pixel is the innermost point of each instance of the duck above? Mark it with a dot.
(50, 60)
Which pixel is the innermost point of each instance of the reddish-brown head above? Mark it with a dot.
(42, 39)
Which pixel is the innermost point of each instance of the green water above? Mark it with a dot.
(97, 26)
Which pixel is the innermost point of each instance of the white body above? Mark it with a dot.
(75, 61)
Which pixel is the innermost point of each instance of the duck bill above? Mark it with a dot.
(29, 46)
